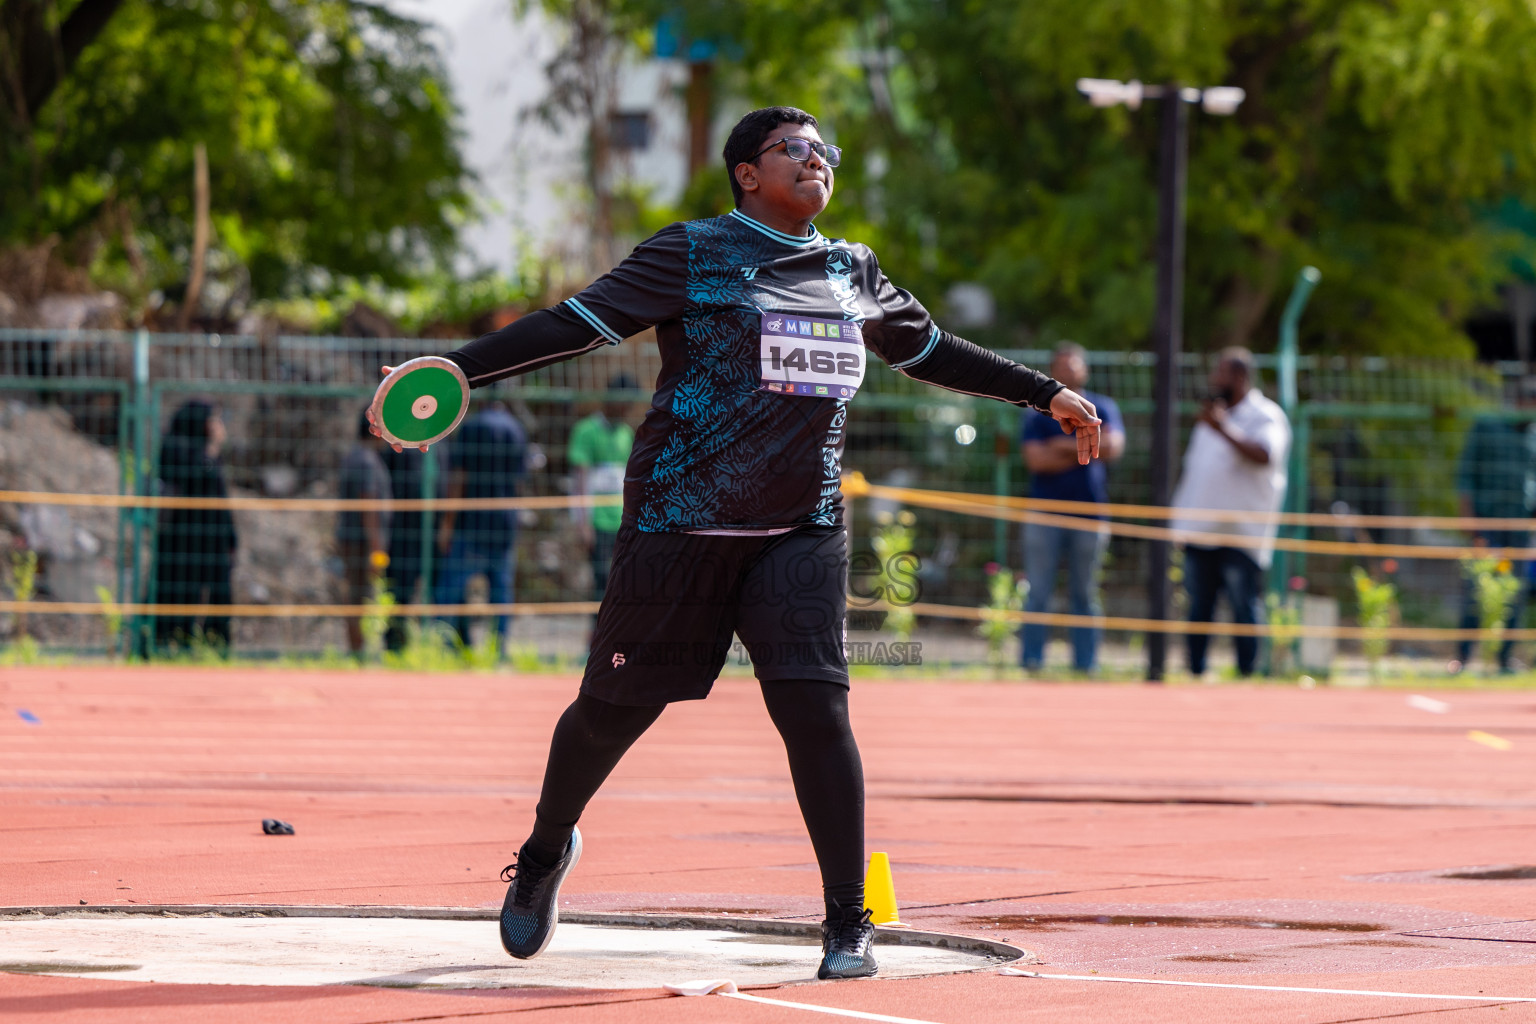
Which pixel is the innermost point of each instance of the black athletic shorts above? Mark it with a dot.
(674, 599)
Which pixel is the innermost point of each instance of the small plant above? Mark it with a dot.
(375, 622)
(199, 648)
(1005, 593)
(892, 541)
(1378, 607)
(24, 649)
(1495, 588)
(432, 646)
(111, 618)
(524, 657)
(24, 574)
(1283, 613)
(1284, 616)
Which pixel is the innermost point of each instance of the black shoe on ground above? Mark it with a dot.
(845, 946)
(530, 911)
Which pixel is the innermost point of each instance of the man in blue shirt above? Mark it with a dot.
(1055, 472)
(485, 460)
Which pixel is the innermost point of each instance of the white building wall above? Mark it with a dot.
(531, 175)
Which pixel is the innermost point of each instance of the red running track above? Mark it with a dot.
(1258, 835)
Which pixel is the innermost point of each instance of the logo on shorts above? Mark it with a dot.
(618, 659)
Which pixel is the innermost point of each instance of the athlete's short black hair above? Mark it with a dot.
(751, 133)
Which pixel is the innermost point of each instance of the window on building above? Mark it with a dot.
(630, 130)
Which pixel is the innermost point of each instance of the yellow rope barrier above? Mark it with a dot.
(1115, 623)
(856, 486)
(283, 611)
(1120, 623)
(305, 504)
(959, 502)
(996, 508)
(1066, 513)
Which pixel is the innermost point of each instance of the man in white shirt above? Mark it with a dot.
(1236, 461)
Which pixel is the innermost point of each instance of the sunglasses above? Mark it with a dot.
(800, 150)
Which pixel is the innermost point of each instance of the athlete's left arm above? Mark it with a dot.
(907, 338)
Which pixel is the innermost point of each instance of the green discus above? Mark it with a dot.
(421, 401)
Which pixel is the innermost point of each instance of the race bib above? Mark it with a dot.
(804, 356)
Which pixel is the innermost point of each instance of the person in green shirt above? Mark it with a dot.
(598, 453)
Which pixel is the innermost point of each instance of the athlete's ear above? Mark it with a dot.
(746, 177)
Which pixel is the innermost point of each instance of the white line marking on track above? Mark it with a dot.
(1014, 972)
(860, 1014)
(727, 988)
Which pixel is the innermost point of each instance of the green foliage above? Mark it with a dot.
(438, 297)
(23, 649)
(112, 619)
(374, 624)
(436, 647)
(1005, 593)
(892, 540)
(1283, 614)
(1374, 138)
(1378, 607)
(1495, 588)
(24, 574)
(331, 140)
(197, 649)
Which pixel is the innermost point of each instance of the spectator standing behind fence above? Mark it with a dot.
(1236, 460)
(409, 530)
(362, 535)
(598, 453)
(1494, 480)
(194, 547)
(1055, 473)
(486, 459)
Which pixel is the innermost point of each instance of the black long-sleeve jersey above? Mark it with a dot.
(763, 338)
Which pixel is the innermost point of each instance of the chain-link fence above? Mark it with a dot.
(105, 413)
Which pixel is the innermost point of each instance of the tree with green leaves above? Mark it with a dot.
(332, 147)
(1375, 141)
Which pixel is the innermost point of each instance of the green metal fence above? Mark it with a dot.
(86, 412)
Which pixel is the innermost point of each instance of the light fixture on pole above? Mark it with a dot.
(1168, 327)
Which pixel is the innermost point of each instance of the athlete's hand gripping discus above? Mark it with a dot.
(420, 402)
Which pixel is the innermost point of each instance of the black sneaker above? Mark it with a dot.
(845, 946)
(530, 912)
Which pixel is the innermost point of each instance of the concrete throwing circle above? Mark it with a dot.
(286, 946)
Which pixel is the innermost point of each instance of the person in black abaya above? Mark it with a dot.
(194, 548)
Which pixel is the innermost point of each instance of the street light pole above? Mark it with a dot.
(1168, 327)
(1167, 342)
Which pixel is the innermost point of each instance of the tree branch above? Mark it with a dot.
(45, 60)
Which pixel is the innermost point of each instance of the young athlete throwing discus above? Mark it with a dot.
(732, 512)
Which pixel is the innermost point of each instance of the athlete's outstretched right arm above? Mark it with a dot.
(906, 337)
(647, 288)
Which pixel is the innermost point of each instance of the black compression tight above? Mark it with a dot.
(589, 740)
(812, 718)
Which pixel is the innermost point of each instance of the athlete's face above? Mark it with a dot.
(798, 190)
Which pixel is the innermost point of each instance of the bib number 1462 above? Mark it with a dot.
(843, 364)
(813, 357)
